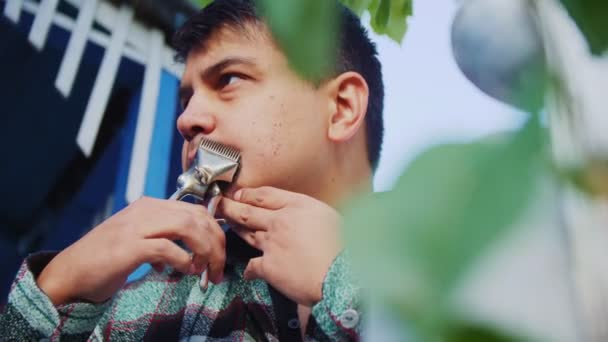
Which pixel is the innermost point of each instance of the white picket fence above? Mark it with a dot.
(127, 39)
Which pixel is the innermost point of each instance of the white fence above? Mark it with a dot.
(127, 39)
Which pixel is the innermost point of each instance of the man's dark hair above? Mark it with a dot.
(356, 53)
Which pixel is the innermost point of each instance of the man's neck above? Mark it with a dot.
(303, 316)
(341, 185)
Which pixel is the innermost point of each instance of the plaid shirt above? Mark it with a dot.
(169, 306)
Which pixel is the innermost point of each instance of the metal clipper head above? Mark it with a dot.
(214, 162)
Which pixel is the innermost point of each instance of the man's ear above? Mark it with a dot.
(348, 96)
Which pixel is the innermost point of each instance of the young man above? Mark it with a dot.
(280, 272)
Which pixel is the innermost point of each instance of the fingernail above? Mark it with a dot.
(204, 283)
(238, 194)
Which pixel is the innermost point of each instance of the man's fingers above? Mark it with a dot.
(216, 270)
(192, 224)
(197, 229)
(217, 260)
(265, 197)
(176, 220)
(247, 215)
(254, 269)
(164, 251)
(214, 261)
(199, 262)
(169, 217)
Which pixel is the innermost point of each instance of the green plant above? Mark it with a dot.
(413, 245)
(304, 28)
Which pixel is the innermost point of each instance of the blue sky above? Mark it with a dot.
(428, 100)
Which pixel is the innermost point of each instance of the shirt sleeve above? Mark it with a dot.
(337, 317)
(30, 315)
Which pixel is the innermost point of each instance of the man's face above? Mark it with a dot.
(240, 91)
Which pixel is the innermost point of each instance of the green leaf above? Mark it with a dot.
(202, 3)
(390, 17)
(476, 332)
(397, 26)
(591, 16)
(307, 32)
(592, 178)
(411, 246)
(386, 16)
(380, 20)
(357, 6)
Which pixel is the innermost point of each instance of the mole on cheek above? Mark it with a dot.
(274, 144)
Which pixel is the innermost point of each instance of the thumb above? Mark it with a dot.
(254, 269)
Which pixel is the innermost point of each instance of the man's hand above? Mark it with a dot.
(298, 235)
(95, 267)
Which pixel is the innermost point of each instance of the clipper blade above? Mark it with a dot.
(220, 149)
(214, 162)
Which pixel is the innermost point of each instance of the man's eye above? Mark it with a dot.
(228, 79)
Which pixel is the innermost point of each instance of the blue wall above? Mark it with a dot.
(52, 194)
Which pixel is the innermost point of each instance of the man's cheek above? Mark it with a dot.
(258, 169)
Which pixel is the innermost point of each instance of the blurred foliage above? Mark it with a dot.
(592, 179)
(201, 3)
(591, 16)
(477, 332)
(413, 244)
(386, 16)
(307, 29)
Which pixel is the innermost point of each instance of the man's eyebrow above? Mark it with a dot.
(216, 68)
(185, 90)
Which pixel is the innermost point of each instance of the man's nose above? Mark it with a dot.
(195, 121)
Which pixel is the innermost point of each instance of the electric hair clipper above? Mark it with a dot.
(213, 163)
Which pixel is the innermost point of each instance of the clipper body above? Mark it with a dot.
(213, 163)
